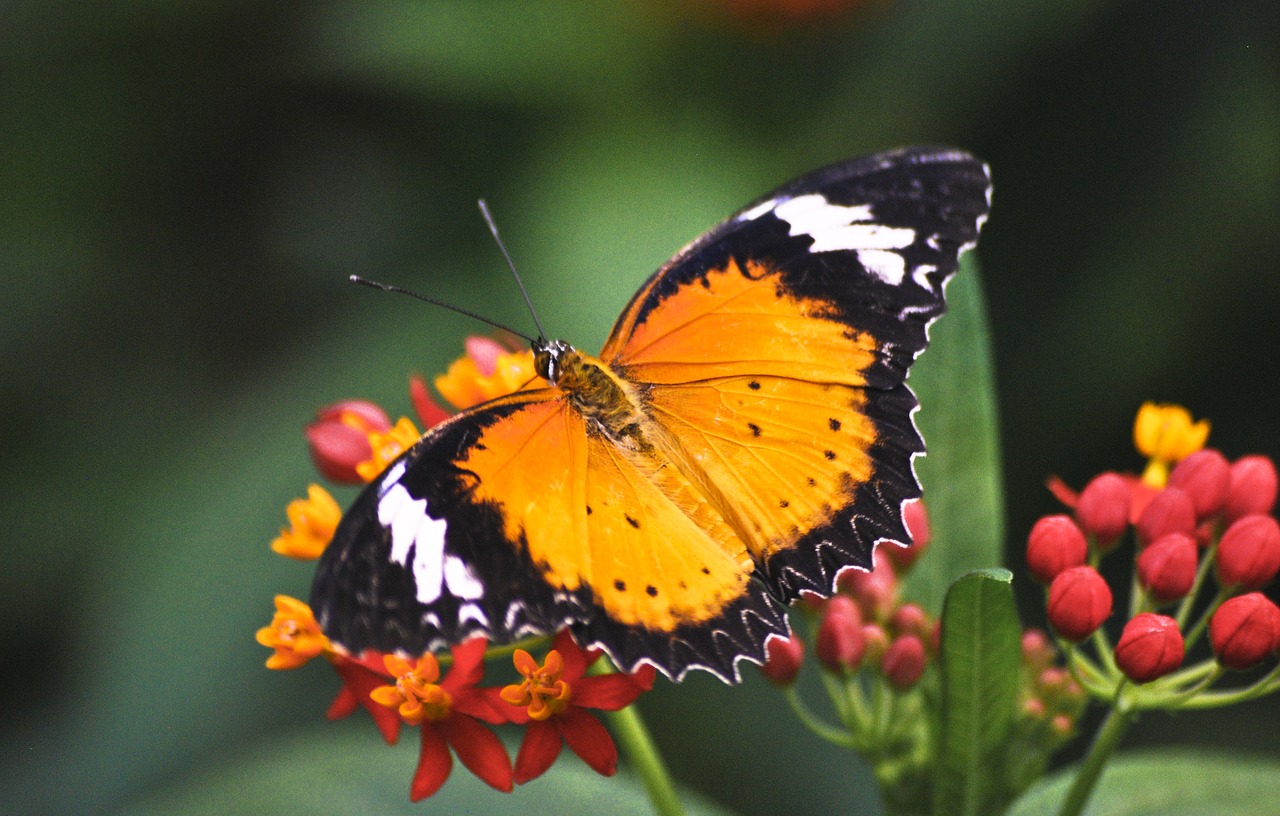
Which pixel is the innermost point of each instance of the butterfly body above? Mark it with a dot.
(744, 436)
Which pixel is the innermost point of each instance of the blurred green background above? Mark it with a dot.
(186, 186)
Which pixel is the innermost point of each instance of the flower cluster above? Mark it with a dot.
(351, 442)
(876, 652)
(1196, 519)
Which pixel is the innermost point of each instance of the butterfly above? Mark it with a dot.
(745, 435)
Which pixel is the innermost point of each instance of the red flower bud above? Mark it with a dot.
(840, 642)
(1062, 725)
(1169, 511)
(1055, 543)
(1033, 707)
(917, 521)
(1103, 509)
(1249, 553)
(1252, 488)
(1079, 601)
(1244, 630)
(1167, 568)
(783, 657)
(911, 619)
(1037, 650)
(1204, 476)
(876, 591)
(339, 438)
(877, 643)
(904, 662)
(1150, 647)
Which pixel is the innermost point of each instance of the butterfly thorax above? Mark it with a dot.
(610, 405)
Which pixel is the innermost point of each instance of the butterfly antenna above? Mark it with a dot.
(386, 287)
(493, 228)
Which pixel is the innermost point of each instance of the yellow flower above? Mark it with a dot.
(311, 524)
(1165, 434)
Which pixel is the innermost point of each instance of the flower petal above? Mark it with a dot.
(575, 659)
(589, 740)
(538, 751)
(480, 750)
(608, 692)
(434, 764)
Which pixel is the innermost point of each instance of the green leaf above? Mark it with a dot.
(961, 473)
(341, 770)
(1169, 783)
(980, 654)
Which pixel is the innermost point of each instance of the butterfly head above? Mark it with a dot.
(548, 358)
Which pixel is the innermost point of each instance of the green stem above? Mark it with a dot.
(814, 723)
(1104, 745)
(639, 748)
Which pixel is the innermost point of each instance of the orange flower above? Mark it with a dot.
(387, 447)
(311, 524)
(293, 633)
(486, 372)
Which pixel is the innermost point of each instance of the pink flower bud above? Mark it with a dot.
(1252, 488)
(1204, 477)
(1167, 568)
(1169, 511)
(1103, 509)
(1244, 630)
(1055, 543)
(1150, 647)
(876, 591)
(917, 521)
(904, 662)
(783, 657)
(1037, 650)
(339, 438)
(1079, 602)
(1249, 553)
(840, 642)
(1062, 725)
(484, 352)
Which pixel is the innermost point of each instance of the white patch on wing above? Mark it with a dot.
(410, 525)
(886, 265)
(470, 611)
(462, 582)
(838, 227)
(758, 210)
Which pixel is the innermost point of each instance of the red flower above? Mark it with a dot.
(783, 659)
(1204, 476)
(429, 411)
(1103, 509)
(1253, 487)
(1249, 553)
(554, 697)
(1079, 601)
(876, 591)
(1167, 568)
(840, 643)
(339, 438)
(1150, 647)
(1244, 630)
(1170, 511)
(449, 713)
(1055, 543)
(360, 676)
